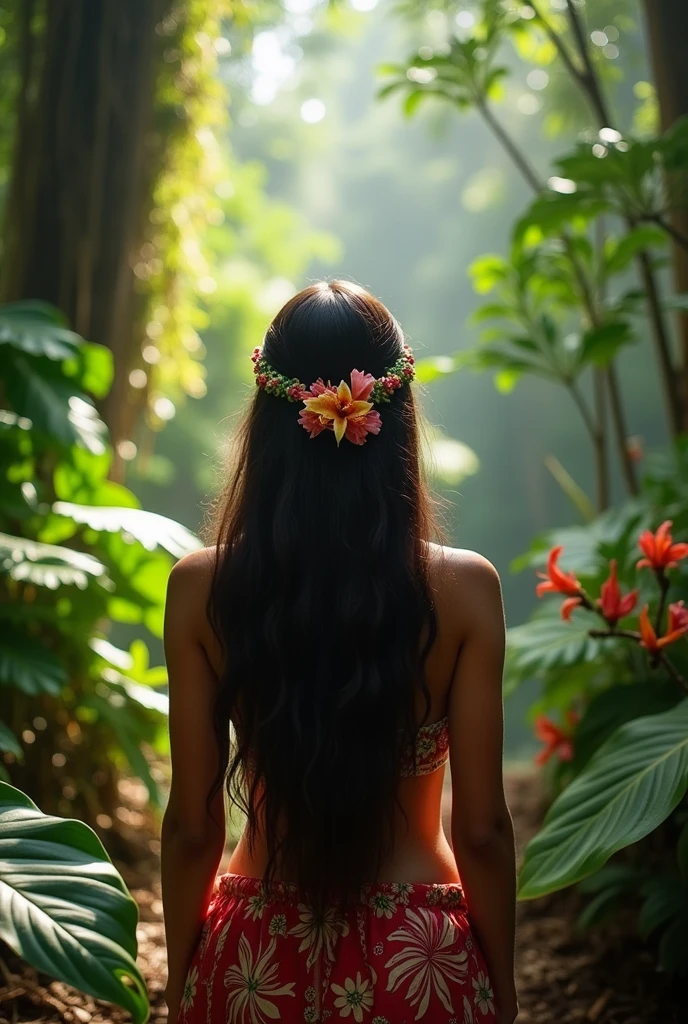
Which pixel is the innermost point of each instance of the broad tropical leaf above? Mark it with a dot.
(28, 666)
(630, 786)
(613, 530)
(38, 389)
(111, 704)
(148, 528)
(38, 330)
(615, 706)
(9, 742)
(63, 906)
(547, 643)
(48, 565)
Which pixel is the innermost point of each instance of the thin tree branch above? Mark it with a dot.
(589, 83)
(555, 38)
(583, 409)
(664, 590)
(522, 163)
(665, 225)
(600, 442)
(662, 342)
(589, 79)
(621, 431)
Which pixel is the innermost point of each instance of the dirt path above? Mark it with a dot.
(565, 976)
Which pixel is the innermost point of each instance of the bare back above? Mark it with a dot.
(469, 643)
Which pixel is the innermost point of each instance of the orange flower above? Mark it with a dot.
(612, 604)
(567, 607)
(555, 580)
(678, 625)
(343, 409)
(556, 740)
(660, 551)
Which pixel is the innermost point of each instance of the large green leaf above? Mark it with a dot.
(48, 565)
(630, 786)
(117, 707)
(9, 742)
(601, 344)
(28, 666)
(615, 706)
(620, 251)
(616, 528)
(547, 643)
(38, 389)
(37, 330)
(148, 528)
(64, 907)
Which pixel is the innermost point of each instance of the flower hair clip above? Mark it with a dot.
(347, 410)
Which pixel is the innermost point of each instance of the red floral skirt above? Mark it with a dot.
(404, 953)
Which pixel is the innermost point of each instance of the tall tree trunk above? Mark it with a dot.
(667, 22)
(79, 188)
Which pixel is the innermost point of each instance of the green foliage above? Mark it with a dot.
(629, 788)
(629, 770)
(68, 567)
(559, 307)
(64, 908)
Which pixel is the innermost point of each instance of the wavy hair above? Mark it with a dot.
(321, 602)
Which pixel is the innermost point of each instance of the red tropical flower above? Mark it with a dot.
(555, 580)
(556, 740)
(677, 627)
(659, 549)
(567, 607)
(612, 605)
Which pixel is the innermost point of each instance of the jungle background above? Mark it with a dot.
(510, 179)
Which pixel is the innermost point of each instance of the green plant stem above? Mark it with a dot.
(669, 376)
(582, 408)
(502, 136)
(627, 634)
(657, 657)
(621, 432)
(664, 590)
(600, 443)
(673, 672)
(665, 225)
(588, 79)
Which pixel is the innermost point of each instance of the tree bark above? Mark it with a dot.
(79, 189)
(667, 22)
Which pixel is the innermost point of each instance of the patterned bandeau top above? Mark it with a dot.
(432, 750)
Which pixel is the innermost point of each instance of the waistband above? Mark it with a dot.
(380, 896)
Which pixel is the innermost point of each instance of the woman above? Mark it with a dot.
(351, 656)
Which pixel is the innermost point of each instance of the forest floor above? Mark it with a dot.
(565, 976)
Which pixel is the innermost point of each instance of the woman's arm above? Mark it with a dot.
(192, 843)
(482, 833)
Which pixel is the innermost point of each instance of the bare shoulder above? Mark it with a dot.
(188, 589)
(467, 587)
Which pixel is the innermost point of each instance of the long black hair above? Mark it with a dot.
(321, 602)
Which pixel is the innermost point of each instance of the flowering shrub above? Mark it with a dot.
(613, 659)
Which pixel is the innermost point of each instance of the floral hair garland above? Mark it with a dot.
(346, 410)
